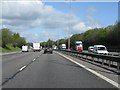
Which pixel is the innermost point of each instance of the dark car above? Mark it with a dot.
(48, 50)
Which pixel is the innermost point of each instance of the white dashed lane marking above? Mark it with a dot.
(33, 60)
(22, 68)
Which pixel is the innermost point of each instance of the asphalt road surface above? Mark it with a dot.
(38, 70)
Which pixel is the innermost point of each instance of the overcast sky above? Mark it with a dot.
(38, 21)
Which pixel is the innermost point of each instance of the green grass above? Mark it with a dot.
(9, 48)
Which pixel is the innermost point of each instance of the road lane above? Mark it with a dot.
(12, 63)
(54, 71)
(9, 57)
(10, 53)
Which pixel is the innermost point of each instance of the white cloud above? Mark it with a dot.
(80, 26)
(24, 15)
(90, 15)
(37, 37)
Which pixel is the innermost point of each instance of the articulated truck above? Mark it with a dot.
(79, 46)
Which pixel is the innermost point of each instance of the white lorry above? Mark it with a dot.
(54, 47)
(24, 48)
(63, 46)
(79, 46)
(36, 47)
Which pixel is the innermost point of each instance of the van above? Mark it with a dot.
(100, 49)
(24, 48)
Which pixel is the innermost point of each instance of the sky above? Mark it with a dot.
(39, 21)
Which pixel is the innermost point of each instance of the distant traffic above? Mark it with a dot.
(95, 49)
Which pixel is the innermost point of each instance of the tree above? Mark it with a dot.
(17, 40)
(21, 41)
(0, 38)
(6, 37)
(50, 43)
(15, 37)
(43, 44)
(108, 36)
(62, 41)
(29, 44)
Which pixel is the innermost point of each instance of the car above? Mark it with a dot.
(30, 48)
(90, 48)
(48, 50)
(100, 49)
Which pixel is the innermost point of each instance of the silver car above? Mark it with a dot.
(90, 49)
(100, 49)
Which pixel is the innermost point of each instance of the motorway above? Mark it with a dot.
(38, 70)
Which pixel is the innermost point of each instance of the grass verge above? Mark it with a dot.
(9, 48)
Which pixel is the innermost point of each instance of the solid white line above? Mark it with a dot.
(22, 68)
(33, 60)
(92, 71)
(10, 53)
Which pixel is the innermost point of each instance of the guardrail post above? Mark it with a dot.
(86, 57)
(112, 62)
(80, 56)
(118, 66)
(73, 54)
(102, 62)
(70, 53)
(93, 59)
(109, 63)
(77, 55)
(98, 59)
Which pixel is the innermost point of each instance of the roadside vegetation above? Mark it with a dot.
(10, 48)
(108, 36)
(10, 41)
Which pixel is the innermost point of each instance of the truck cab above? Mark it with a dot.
(79, 46)
(63, 47)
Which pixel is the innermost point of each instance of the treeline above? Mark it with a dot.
(108, 36)
(9, 37)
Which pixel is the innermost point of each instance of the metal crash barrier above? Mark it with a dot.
(110, 61)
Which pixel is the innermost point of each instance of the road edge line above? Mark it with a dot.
(3, 54)
(92, 71)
